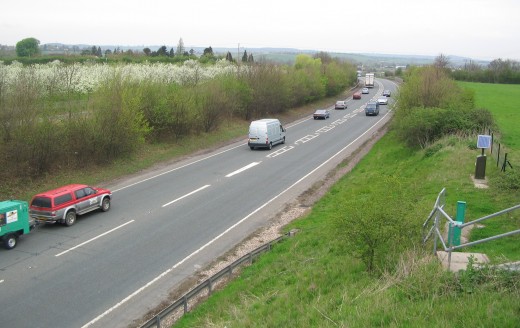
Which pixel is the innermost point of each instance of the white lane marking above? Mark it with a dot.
(92, 239)
(1, 281)
(243, 169)
(280, 151)
(177, 168)
(326, 128)
(199, 160)
(306, 138)
(188, 194)
(126, 299)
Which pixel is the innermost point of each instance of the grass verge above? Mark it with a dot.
(314, 280)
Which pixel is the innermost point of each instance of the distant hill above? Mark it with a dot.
(279, 55)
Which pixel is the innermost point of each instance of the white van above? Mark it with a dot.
(266, 133)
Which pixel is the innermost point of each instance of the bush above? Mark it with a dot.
(431, 106)
(508, 180)
(372, 229)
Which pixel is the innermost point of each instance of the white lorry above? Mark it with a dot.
(369, 80)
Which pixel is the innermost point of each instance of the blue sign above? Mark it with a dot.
(484, 141)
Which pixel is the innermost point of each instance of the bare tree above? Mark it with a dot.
(441, 61)
(180, 48)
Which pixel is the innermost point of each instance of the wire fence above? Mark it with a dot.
(499, 153)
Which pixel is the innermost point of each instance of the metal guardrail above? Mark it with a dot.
(436, 215)
(207, 285)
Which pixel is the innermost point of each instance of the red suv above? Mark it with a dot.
(65, 203)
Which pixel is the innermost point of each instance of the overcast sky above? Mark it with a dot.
(480, 29)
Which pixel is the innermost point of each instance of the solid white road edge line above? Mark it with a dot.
(126, 299)
(188, 194)
(242, 169)
(88, 241)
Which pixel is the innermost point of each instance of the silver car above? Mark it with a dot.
(382, 100)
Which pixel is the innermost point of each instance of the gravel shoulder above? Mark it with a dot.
(297, 209)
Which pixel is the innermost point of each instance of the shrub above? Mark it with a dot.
(373, 230)
(508, 180)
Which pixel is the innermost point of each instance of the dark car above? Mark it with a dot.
(321, 113)
(356, 95)
(372, 108)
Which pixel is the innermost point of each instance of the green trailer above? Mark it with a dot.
(14, 221)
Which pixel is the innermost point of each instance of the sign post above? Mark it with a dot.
(483, 142)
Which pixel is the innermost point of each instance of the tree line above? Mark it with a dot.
(498, 71)
(41, 134)
(28, 52)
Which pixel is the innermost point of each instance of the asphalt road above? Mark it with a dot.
(111, 268)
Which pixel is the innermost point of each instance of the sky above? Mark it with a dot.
(479, 29)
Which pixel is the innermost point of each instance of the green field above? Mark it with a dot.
(312, 280)
(504, 102)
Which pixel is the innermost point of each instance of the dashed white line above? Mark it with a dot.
(188, 194)
(126, 299)
(242, 169)
(88, 241)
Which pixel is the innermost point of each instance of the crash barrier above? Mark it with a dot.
(434, 223)
(206, 287)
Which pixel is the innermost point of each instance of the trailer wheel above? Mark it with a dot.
(70, 218)
(10, 241)
(105, 204)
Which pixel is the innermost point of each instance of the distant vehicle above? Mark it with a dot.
(265, 133)
(321, 113)
(341, 104)
(382, 100)
(364, 91)
(386, 93)
(65, 203)
(369, 80)
(372, 108)
(357, 95)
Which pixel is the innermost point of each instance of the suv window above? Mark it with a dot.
(80, 193)
(41, 202)
(62, 199)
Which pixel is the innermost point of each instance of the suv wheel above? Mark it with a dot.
(105, 205)
(70, 218)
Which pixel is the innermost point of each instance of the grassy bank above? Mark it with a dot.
(312, 280)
